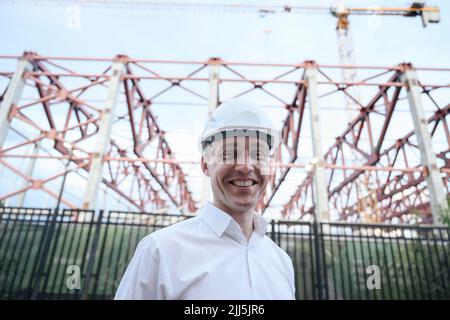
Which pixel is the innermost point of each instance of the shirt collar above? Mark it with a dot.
(219, 220)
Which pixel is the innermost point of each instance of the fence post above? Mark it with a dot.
(42, 258)
(272, 232)
(317, 253)
(93, 251)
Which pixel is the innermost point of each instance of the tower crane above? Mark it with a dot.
(345, 44)
(366, 198)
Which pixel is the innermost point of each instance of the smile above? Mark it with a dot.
(243, 183)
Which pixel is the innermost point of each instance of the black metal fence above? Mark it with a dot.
(42, 250)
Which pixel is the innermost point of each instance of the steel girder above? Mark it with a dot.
(361, 173)
(82, 122)
(391, 195)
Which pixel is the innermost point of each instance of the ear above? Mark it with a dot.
(204, 166)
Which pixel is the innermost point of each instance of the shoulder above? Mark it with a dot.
(173, 233)
(278, 251)
(186, 226)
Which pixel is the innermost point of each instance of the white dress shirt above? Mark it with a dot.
(208, 257)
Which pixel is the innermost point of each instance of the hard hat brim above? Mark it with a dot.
(270, 136)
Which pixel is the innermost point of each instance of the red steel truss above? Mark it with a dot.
(368, 177)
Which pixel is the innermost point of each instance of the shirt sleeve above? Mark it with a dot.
(290, 273)
(291, 278)
(144, 279)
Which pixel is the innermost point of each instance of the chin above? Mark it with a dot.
(245, 204)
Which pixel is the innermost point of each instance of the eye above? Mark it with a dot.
(258, 155)
(228, 154)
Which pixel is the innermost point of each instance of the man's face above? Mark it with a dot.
(239, 171)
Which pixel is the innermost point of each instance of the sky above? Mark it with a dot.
(87, 31)
(232, 36)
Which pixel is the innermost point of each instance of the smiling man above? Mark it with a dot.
(223, 252)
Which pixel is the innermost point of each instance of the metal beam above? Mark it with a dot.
(29, 172)
(103, 139)
(428, 157)
(214, 68)
(290, 136)
(319, 181)
(12, 95)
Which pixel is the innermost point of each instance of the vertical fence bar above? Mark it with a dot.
(87, 245)
(417, 265)
(295, 238)
(379, 261)
(445, 254)
(409, 266)
(347, 260)
(303, 263)
(425, 267)
(22, 253)
(101, 255)
(15, 244)
(311, 259)
(107, 274)
(323, 260)
(92, 254)
(48, 267)
(341, 266)
(2, 239)
(439, 264)
(317, 256)
(333, 267)
(64, 254)
(30, 257)
(119, 253)
(385, 258)
(402, 267)
(368, 230)
(43, 254)
(393, 257)
(432, 264)
(72, 230)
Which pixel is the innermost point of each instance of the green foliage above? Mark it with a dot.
(409, 269)
(445, 213)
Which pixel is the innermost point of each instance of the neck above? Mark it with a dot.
(243, 218)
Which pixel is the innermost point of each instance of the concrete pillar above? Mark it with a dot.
(103, 138)
(214, 68)
(319, 179)
(12, 96)
(428, 156)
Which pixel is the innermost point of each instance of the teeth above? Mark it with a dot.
(242, 183)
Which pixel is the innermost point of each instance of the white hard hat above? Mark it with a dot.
(239, 115)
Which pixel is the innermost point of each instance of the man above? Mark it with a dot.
(223, 252)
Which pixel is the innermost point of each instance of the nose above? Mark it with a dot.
(244, 164)
(244, 167)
